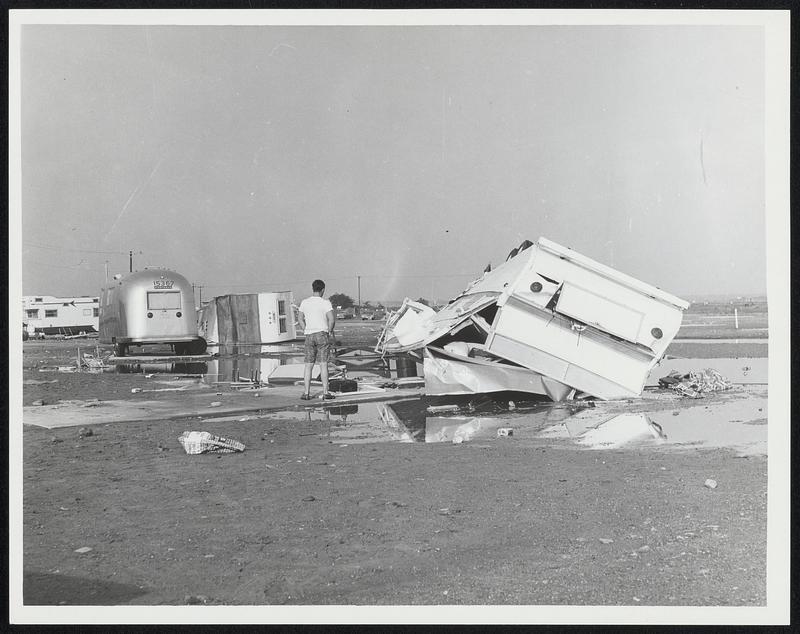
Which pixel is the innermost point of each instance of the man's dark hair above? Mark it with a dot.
(317, 286)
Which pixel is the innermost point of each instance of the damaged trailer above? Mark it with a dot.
(548, 321)
(248, 318)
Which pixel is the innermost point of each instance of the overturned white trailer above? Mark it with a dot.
(248, 318)
(548, 321)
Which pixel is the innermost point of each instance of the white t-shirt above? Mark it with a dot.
(314, 309)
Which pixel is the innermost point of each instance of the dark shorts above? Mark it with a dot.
(317, 347)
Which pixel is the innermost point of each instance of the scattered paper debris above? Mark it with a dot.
(83, 549)
(197, 442)
(711, 484)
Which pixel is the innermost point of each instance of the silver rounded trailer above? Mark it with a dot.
(153, 306)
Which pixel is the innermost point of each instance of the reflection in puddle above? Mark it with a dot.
(621, 430)
(193, 367)
(257, 362)
(738, 424)
(226, 350)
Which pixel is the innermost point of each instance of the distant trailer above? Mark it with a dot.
(48, 315)
(153, 306)
(248, 318)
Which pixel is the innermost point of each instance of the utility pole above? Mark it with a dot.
(359, 295)
(106, 271)
(130, 255)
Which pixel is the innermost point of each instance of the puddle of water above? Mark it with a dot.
(736, 424)
(409, 420)
(761, 340)
(226, 350)
(192, 367)
(259, 362)
(739, 424)
(622, 430)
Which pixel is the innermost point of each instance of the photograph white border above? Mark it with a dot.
(777, 116)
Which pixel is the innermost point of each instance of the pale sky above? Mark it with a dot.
(261, 157)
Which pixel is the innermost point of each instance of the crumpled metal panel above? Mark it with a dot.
(452, 374)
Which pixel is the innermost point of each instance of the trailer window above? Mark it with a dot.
(170, 300)
(33, 313)
(51, 313)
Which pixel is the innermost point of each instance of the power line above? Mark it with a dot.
(55, 248)
(426, 276)
(328, 280)
(57, 266)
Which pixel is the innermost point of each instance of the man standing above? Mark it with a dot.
(317, 319)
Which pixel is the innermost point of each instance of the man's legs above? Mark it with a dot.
(307, 377)
(310, 355)
(316, 350)
(323, 371)
(324, 350)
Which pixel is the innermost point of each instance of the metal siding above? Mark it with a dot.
(596, 310)
(244, 313)
(549, 346)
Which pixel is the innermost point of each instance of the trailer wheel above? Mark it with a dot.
(120, 349)
(198, 346)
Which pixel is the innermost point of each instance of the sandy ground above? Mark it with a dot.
(301, 518)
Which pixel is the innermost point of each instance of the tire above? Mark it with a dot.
(198, 346)
(179, 348)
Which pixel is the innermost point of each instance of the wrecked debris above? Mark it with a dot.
(696, 383)
(548, 321)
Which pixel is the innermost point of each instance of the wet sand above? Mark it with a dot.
(316, 512)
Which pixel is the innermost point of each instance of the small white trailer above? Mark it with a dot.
(48, 315)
